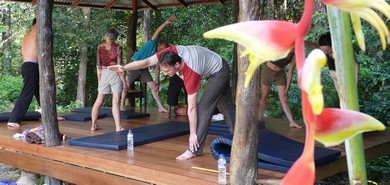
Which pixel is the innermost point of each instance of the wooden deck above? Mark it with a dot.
(152, 163)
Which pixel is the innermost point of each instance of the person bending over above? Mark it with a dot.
(273, 72)
(192, 64)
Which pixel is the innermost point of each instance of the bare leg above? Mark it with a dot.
(186, 155)
(263, 101)
(169, 112)
(286, 108)
(95, 111)
(155, 93)
(115, 111)
(123, 98)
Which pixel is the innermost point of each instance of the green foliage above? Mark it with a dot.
(12, 86)
(69, 107)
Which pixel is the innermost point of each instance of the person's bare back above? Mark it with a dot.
(30, 45)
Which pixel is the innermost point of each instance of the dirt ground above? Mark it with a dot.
(16, 175)
(9, 173)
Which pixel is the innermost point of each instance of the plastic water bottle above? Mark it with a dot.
(130, 141)
(221, 169)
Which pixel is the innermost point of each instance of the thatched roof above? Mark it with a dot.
(128, 4)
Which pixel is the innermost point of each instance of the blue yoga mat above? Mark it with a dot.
(108, 112)
(219, 128)
(142, 135)
(275, 152)
(82, 116)
(29, 116)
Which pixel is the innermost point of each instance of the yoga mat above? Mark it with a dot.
(142, 135)
(276, 152)
(89, 110)
(108, 112)
(82, 116)
(29, 116)
(219, 128)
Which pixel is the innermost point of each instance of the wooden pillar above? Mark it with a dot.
(132, 32)
(243, 168)
(132, 40)
(47, 88)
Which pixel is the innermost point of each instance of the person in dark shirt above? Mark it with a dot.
(273, 72)
(325, 44)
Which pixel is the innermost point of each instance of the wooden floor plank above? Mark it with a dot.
(151, 163)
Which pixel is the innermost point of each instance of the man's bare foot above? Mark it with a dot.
(294, 125)
(120, 129)
(96, 127)
(13, 125)
(186, 155)
(163, 110)
(59, 118)
(122, 108)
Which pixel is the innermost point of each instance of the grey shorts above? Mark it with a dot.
(269, 76)
(110, 82)
(142, 74)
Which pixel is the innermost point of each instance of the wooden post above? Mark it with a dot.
(243, 168)
(47, 88)
(132, 39)
(132, 32)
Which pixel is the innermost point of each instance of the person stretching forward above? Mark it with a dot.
(192, 63)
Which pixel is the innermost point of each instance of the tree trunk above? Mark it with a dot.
(271, 9)
(146, 35)
(244, 169)
(47, 88)
(83, 61)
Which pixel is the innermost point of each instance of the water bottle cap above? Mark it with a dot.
(221, 155)
(130, 130)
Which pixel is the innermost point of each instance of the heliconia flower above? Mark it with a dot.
(364, 9)
(310, 79)
(265, 40)
(302, 172)
(357, 27)
(334, 126)
(261, 39)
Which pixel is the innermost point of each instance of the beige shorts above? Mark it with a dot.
(110, 82)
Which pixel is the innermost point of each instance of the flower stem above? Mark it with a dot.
(340, 26)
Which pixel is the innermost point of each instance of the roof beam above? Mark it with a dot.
(150, 4)
(34, 2)
(75, 3)
(183, 3)
(110, 4)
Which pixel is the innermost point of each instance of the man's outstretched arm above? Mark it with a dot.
(140, 64)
